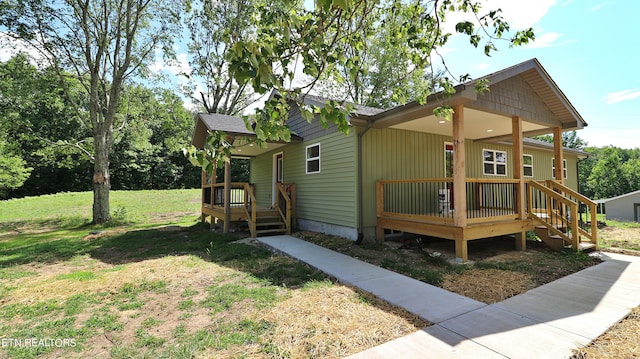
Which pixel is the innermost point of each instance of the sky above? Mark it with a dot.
(589, 48)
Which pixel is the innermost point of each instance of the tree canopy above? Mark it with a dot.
(101, 45)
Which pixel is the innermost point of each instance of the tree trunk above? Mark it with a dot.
(101, 178)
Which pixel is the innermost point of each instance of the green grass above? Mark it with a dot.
(55, 230)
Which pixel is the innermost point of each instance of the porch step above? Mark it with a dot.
(557, 243)
(269, 231)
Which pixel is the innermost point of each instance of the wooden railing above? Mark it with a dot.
(237, 198)
(558, 208)
(285, 203)
(250, 211)
(431, 199)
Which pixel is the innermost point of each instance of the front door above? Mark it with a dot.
(278, 174)
(636, 211)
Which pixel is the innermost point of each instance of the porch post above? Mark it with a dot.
(558, 155)
(459, 183)
(459, 180)
(518, 173)
(227, 196)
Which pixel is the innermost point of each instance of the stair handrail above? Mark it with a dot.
(592, 235)
(250, 201)
(286, 215)
(571, 219)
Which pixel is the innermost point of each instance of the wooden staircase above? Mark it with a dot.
(269, 222)
(555, 208)
(559, 243)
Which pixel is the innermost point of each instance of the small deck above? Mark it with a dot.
(238, 204)
(493, 208)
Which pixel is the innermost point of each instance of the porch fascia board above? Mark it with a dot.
(414, 110)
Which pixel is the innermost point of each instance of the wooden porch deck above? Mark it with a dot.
(493, 208)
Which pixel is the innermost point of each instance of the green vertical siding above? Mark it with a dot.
(328, 196)
(398, 154)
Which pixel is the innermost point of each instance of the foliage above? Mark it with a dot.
(213, 28)
(57, 146)
(101, 45)
(13, 169)
(570, 139)
(610, 171)
(288, 37)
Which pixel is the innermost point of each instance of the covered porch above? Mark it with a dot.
(226, 202)
(522, 101)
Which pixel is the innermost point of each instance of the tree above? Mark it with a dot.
(40, 128)
(384, 76)
(288, 36)
(101, 44)
(214, 26)
(13, 169)
(570, 139)
(607, 177)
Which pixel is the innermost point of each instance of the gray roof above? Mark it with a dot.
(226, 123)
(231, 125)
(361, 110)
(605, 200)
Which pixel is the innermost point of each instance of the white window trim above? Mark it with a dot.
(553, 167)
(307, 159)
(494, 163)
(526, 165)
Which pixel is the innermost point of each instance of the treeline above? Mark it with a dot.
(45, 148)
(609, 172)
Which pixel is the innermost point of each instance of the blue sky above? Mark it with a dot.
(590, 48)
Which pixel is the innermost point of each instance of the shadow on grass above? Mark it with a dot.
(118, 245)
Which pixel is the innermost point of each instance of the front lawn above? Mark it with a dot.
(156, 283)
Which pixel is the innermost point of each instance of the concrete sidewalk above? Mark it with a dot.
(546, 322)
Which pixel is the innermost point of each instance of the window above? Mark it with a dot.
(553, 168)
(527, 161)
(495, 162)
(448, 159)
(313, 158)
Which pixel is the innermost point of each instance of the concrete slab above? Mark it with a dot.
(514, 336)
(586, 304)
(431, 342)
(428, 302)
(346, 269)
(620, 272)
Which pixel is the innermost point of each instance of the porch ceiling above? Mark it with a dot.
(478, 125)
(242, 147)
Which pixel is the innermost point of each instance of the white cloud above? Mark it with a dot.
(547, 39)
(620, 96)
(176, 67)
(519, 14)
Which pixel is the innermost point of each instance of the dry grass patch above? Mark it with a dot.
(335, 321)
(488, 285)
(621, 341)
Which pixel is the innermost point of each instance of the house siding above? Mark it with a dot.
(329, 196)
(623, 208)
(515, 97)
(390, 154)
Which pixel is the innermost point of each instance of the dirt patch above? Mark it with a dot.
(488, 285)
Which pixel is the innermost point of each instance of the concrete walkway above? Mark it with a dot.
(546, 322)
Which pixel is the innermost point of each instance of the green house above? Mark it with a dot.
(478, 175)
